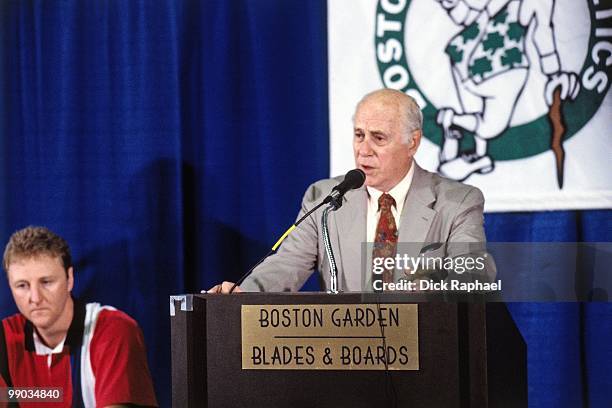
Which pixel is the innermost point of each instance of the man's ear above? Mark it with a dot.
(415, 141)
(70, 278)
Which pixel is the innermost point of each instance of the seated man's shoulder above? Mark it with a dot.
(113, 326)
(113, 319)
(14, 329)
(14, 323)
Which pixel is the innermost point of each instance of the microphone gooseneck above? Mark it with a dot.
(352, 180)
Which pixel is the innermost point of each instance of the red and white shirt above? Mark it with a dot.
(106, 344)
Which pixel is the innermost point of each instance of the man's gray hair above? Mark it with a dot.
(408, 109)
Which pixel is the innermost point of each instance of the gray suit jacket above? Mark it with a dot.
(436, 210)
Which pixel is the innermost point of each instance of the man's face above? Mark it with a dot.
(41, 289)
(378, 144)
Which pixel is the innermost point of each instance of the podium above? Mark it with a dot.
(469, 355)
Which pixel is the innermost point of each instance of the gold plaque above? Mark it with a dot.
(330, 337)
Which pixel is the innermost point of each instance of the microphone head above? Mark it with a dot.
(354, 179)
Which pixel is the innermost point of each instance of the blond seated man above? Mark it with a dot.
(95, 354)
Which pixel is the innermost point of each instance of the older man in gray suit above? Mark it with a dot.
(422, 207)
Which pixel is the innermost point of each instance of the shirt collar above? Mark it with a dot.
(42, 349)
(399, 192)
(73, 339)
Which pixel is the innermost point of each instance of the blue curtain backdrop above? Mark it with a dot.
(171, 141)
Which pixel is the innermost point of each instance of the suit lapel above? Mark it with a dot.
(417, 214)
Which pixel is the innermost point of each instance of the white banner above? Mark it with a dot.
(515, 93)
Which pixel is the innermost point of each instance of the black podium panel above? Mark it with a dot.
(457, 367)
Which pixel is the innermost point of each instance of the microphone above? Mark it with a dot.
(352, 180)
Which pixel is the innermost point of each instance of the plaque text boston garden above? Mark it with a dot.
(339, 317)
(350, 336)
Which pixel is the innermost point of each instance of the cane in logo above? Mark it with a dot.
(502, 56)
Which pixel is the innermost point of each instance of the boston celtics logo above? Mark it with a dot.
(497, 79)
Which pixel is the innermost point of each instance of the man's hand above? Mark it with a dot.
(570, 86)
(225, 287)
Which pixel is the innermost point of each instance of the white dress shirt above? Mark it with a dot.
(399, 193)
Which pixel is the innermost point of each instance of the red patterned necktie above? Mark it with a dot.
(385, 240)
